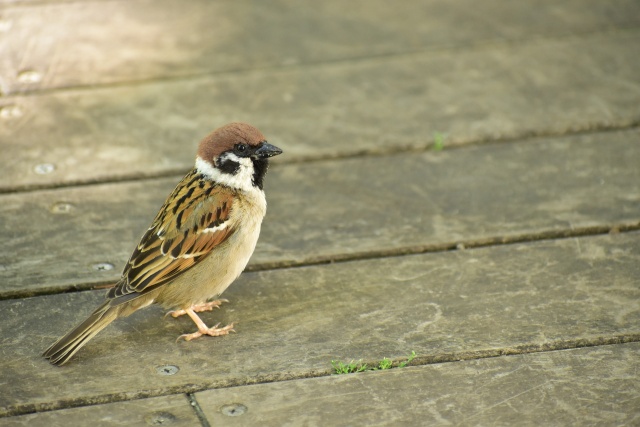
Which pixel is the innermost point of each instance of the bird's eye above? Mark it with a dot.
(241, 148)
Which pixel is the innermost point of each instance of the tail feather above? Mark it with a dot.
(63, 349)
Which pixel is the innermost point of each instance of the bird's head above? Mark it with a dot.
(235, 155)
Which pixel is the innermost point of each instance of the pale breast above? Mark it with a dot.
(212, 275)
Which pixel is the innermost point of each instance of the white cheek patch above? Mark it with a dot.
(233, 157)
(242, 180)
(205, 168)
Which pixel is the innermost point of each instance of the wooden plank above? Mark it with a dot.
(53, 45)
(291, 323)
(172, 410)
(53, 240)
(494, 91)
(589, 386)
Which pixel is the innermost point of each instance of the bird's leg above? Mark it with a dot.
(203, 329)
(198, 308)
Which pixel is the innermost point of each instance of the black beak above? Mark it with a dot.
(267, 150)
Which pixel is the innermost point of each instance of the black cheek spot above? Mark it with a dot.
(229, 166)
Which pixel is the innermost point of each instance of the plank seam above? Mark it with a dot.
(417, 147)
(190, 389)
(193, 402)
(495, 241)
(489, 43)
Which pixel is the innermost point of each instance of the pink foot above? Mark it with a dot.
(202, 328)
(198, 308)
(214, 332)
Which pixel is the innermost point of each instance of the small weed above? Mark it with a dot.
(409, 359)
(348, 368)
(438, 141)
(385, 364)
(353, 367)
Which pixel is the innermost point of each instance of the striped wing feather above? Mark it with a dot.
(193, 221)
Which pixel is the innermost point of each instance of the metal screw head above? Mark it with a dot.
(167, 369)
(29, 76)
(61, 208)
(233, 410)
(159, 418)
(44, 168)
(103, 266)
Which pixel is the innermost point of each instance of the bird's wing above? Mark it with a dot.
(193, 221)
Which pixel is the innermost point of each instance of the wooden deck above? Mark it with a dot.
(460, 179)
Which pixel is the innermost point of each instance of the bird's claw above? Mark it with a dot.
(175, 313)
(214, 332)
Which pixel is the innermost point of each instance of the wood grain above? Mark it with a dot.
(349, 208)
(173, 410)
(80, 43)
(491, 92)
(291, 323)
(533, 389)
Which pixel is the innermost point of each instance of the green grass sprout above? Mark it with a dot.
(385, 364)
(352, 367)
(348, 368)
(438, 141)
(409, 359)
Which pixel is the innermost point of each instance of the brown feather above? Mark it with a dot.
(224, 138)
(167, 250)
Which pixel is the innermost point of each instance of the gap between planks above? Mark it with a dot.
(454, 48)
(193, 402)
(190, 389)
(546, 235)
(418, 147)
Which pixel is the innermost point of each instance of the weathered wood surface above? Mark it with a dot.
(348, 208)
(538, 102)
(598, 385)
(555, 388)
(173, 410)
(100, 42)
(291, 323)
(493, 91)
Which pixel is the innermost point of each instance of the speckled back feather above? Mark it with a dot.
(192, 222)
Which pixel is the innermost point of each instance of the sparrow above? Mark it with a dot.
(199, 242)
